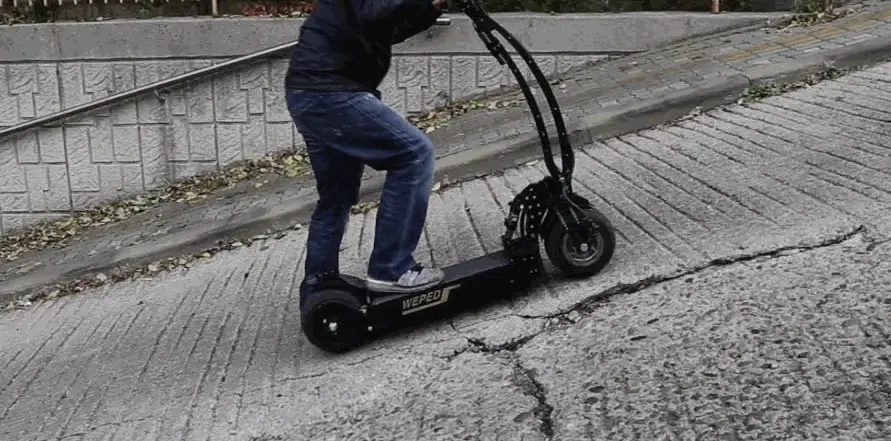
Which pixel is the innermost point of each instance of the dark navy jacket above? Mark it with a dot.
(350, 50)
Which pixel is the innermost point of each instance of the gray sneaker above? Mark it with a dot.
(417, 278)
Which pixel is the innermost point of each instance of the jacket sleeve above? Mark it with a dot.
(387, 13)
(416, 23)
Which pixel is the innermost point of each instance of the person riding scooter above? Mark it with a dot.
(332, 82)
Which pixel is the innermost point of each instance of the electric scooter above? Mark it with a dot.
(344, 313)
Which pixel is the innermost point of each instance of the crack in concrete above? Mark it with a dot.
(544, 411)
(875, 242)
(587, 306)
(593, 302)
(525, 377)
(267, 438)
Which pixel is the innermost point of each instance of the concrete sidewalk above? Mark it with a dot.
(599, 102)
(748, 300)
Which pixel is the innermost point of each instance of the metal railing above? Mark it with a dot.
(157, 86)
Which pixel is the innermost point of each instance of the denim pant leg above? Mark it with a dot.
(337, 182)
(338, 177)
(362, 127)
(407, 155)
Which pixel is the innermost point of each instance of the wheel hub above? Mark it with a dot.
(330, 328)
(335, 323)
(583, 247)
(332, 325)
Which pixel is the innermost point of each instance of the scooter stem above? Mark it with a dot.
(486, 27)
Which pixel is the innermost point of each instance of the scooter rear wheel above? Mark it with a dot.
(591, 256)
(333, 322)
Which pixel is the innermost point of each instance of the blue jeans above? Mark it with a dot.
(344, 131)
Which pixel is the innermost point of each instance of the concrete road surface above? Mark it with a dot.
(749, 299)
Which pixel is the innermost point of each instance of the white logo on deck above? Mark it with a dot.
(427, 300)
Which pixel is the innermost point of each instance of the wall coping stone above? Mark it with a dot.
(204, 38)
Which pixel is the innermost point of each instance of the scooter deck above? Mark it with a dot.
(472, 281)
(467, 283)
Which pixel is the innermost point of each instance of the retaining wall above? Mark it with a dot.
(159, 138)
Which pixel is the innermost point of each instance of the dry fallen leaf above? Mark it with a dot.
(190, 190)
(812, 19)
(363, 207)
(437, 119)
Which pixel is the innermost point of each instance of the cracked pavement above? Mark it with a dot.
(749, 299)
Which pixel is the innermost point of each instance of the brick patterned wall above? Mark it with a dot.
(157, 139)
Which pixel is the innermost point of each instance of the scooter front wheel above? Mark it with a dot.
(332, 320)
(585, 257)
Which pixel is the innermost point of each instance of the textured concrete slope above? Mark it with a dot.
(792, 348)
(215, 353)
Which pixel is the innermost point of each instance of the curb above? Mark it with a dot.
(462, 165)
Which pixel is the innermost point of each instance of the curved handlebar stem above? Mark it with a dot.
(485, 26)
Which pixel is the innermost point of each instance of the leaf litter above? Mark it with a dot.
(55, 234)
